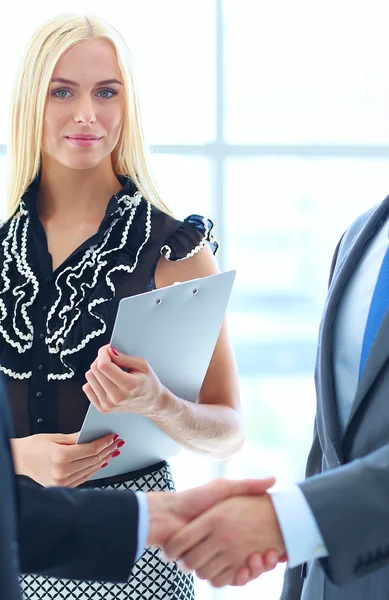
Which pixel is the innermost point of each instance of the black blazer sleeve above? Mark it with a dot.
(77, 534)
(9, 565)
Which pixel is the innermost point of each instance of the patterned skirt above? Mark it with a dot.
(150, 579)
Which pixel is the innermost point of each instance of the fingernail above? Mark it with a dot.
(116, 353)
(121, 443)
(116, 453)
(115, 437)
(104, 465)
(163, 556)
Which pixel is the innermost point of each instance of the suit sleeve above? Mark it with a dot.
(350, 505)
(77, 534)
(9, 564)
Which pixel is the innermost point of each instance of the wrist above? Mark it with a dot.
(17, 456)
(158, 517)
(279, 543)
(164, 405)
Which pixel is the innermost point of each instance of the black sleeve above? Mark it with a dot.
(77, 534)
(9, 566)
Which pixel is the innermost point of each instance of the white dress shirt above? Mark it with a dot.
(143, 523)
(302, 537)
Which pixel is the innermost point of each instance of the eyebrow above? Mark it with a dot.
(70, 82)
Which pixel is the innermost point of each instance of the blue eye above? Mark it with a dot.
(106, 93)
(60, 93)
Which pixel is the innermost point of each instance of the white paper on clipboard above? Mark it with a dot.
(175, 329)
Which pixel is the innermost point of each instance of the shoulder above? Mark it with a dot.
(186, 250)
(359, 223)
(179, 239)
(375, 214)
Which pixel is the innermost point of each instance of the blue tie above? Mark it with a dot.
(378, 307)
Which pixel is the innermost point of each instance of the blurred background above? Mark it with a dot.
(272, 118)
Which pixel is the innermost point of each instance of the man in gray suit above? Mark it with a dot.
(334, 526)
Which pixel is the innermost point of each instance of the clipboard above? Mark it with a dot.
(175, 329)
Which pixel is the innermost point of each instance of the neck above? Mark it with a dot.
(76, 194)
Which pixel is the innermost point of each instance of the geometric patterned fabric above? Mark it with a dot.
(151, 578)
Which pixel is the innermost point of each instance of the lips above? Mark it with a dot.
(83, 140)
(81, 136)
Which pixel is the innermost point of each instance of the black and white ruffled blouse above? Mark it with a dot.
(53, 323)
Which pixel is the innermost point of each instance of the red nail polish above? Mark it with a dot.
(115, 437)
(121, 443)
(116, 453)
(116, 353)
(104, 465)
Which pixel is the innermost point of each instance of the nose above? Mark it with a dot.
(84, 111)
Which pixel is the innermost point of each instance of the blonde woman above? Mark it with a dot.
(86, 227)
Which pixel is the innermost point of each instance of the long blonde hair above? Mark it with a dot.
(48, 44)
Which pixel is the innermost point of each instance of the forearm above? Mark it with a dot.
(211, 429)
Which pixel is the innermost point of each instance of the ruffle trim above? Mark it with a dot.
(195, 229)
(15, 375)
(70, 305)
(79, 309)
(95, 258)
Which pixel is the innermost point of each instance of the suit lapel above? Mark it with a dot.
(327, 413)
(376, 359)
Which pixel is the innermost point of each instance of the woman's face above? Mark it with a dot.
(85, 106)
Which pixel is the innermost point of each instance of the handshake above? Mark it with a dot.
(226, 531)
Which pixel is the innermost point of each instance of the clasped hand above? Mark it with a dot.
(112, 389)
(226, 531)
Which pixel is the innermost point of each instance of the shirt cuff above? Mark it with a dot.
(302, 538)
(143, 523)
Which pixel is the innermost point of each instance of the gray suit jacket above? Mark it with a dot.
(347, 485)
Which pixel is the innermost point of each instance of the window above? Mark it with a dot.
(271, 118)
